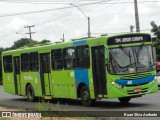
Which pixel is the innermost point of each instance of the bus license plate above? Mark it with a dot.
(138, 90)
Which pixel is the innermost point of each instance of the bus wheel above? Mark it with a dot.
(30, 93)
(124, 100)
(85, 96)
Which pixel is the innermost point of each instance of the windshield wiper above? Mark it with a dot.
(126, 53)
(130, 57)
(138, 52)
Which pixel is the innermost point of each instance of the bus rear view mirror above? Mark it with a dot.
(106, 54)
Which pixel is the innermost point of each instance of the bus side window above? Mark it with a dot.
(34, 65)
(24, 62)
(69, 58)
(57, 61)
(82, 57)
(7, 62)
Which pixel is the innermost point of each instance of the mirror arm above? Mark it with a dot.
(106, 60)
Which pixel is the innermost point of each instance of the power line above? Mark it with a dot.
(62, 8)
(21, 34)
(99, 3)
(64, 2)
(105, 6)
(78, 19)
(51, 2)
(47, 10)
(68, 21)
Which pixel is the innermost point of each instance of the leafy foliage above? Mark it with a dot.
(156, 31)
(45, 41)
(20, 43)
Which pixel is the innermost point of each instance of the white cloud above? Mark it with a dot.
(77, 32)
(76, 12)
(145, 10)
(71, 22)
(16, 24)
(116, 24)
(129, 10)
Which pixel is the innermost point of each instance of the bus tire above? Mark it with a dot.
(30, 93)
(85, 96)
(124, 99)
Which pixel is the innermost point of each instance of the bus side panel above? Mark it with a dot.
(63, 84)
(57, 78)
(91, 86)
(32, 78)
(84, 76)
(70, 83)
(8, 83)
(72, 91)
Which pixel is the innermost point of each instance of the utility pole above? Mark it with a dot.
(63, 38)
(30, 33)
(89, 33)
(131, 28)
(88, 19)
(136, 16)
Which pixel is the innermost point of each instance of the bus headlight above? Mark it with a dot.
(115, 84)
(153, 81)
(155, 78)
(112, 82)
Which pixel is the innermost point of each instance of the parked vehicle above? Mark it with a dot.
(158, 78)
(157, 66)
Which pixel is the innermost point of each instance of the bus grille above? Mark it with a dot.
(135, 76)
(130, 92)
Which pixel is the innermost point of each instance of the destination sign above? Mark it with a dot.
(128, 39)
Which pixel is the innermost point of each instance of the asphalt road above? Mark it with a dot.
(149, 102)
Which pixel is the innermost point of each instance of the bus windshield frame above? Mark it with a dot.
(133, 59)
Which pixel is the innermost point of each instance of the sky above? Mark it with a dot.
(53, 18)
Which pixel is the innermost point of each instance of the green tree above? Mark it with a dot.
(20, 43)
(32, 43)
(155, 30)
(45, 41)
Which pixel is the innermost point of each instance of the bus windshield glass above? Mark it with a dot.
(125, 60)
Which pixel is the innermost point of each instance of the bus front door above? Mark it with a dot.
(45, 73)
(99, 71)
(17, 82)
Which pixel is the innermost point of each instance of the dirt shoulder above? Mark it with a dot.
(7, 109)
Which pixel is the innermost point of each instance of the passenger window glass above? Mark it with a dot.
(24, 62)
(82, 57)
(57, 62)
(7, 62)
(34, 64)
(69, 58)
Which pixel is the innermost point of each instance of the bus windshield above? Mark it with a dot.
(124, 60)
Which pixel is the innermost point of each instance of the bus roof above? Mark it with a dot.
(65, 44)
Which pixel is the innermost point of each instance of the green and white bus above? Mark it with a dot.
(110, 66)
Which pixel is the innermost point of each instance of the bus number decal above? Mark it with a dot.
(28, 77)
(129, 82)
(72, 74)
